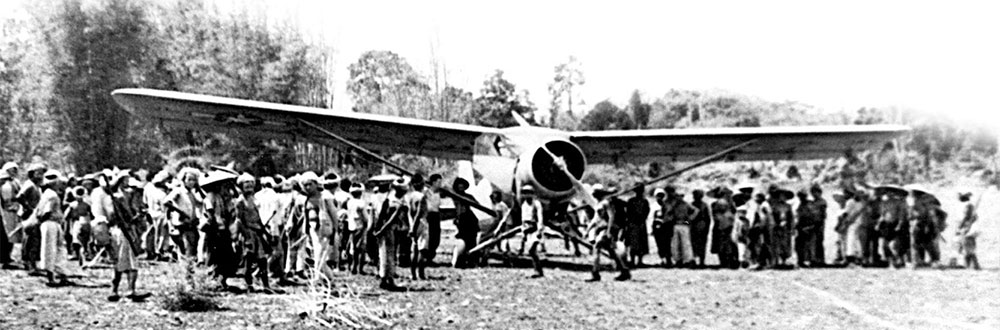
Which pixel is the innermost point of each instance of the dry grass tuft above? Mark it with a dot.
(191, 294)
(338, 306)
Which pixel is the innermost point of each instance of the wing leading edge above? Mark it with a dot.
(244, 118)
(771, 143)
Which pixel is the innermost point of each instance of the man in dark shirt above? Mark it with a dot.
(699, 226)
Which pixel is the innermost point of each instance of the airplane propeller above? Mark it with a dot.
(581, 191)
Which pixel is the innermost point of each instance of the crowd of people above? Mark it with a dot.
(307, 226)
(759, 230)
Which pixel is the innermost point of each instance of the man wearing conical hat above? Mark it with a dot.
(218, 224)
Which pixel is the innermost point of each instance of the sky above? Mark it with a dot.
(939, 56)
(933, 56)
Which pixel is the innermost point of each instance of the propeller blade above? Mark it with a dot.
(581, 191)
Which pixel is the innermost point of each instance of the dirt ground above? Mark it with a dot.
(501, 297)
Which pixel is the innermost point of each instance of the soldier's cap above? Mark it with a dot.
(8, 166)
(51, 176)
(659, 191)
(357, 187)
(527, 188)
(245, 177)
(964, 194)
(279, 179)
(4, 175)
(268, 182)
(37, 167)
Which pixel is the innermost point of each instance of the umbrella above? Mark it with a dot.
(891, 189)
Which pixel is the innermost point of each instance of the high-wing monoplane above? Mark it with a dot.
(553, 161)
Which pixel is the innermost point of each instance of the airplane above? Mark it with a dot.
(552, 161)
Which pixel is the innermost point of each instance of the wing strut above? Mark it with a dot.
(699, 163)
(383, 160)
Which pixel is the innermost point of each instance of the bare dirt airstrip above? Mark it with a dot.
(500, 297)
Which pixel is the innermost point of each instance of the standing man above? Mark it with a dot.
(805, 229)
(418, 233)
(761, 229)
(28, 197)
(681, 213)
(124, 240)
(467, 225)
(432, 197)
(663, 230)
(819, 207)
(220, 214)
(637, 240)
(968, 231)
(183, 206)
(156, 238)
(723, 215)
(358, 223)
(532, 224)
(253, 236)
(925, 230)
(699, 226)
(8, 212)
(49, 212)
(893, 226)
(783, 221)
(393, 213)
(602, 230)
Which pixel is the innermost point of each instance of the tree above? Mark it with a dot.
(640, 110)
(383, 82)
(606, 116)
(497, 100)
(94, 50)
(567, 76)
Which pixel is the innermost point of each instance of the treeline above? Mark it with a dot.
(60, 60)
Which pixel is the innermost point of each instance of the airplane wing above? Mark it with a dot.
(243, 118)
(770, 143)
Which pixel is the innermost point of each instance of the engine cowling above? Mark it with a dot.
(538, 168)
